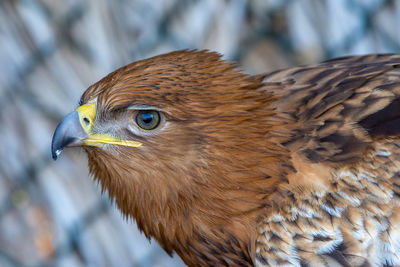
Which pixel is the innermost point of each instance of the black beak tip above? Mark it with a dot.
(68, 133)
(56, 146)
(55, 153)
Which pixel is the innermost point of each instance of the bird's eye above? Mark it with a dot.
(148, 119)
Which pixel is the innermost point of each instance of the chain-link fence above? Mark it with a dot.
(51, 213)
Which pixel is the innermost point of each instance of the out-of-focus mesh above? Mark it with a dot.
(51, 213)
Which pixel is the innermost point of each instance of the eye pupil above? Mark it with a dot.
(148, 119)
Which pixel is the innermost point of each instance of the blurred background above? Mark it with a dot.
(52, 213)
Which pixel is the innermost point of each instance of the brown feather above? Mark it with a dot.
(298, 166)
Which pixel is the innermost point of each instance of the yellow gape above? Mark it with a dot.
(87, 114)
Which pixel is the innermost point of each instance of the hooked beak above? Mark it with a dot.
(76, 130)
(68, 133)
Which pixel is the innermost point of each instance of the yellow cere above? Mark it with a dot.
(87, 114)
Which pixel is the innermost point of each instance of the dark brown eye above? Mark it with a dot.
(148, 119)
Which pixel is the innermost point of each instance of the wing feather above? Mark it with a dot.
(340, 203)
(338, 107)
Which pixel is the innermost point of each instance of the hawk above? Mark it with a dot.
(298, 167)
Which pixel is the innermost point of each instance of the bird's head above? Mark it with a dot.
(176, 131)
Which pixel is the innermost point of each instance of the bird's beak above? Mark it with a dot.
(76, 130)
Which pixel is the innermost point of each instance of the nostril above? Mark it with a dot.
(87, 121)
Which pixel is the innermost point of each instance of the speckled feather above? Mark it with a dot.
(341, 204)
(296, 167)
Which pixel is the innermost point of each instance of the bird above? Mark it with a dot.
(295, 167)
